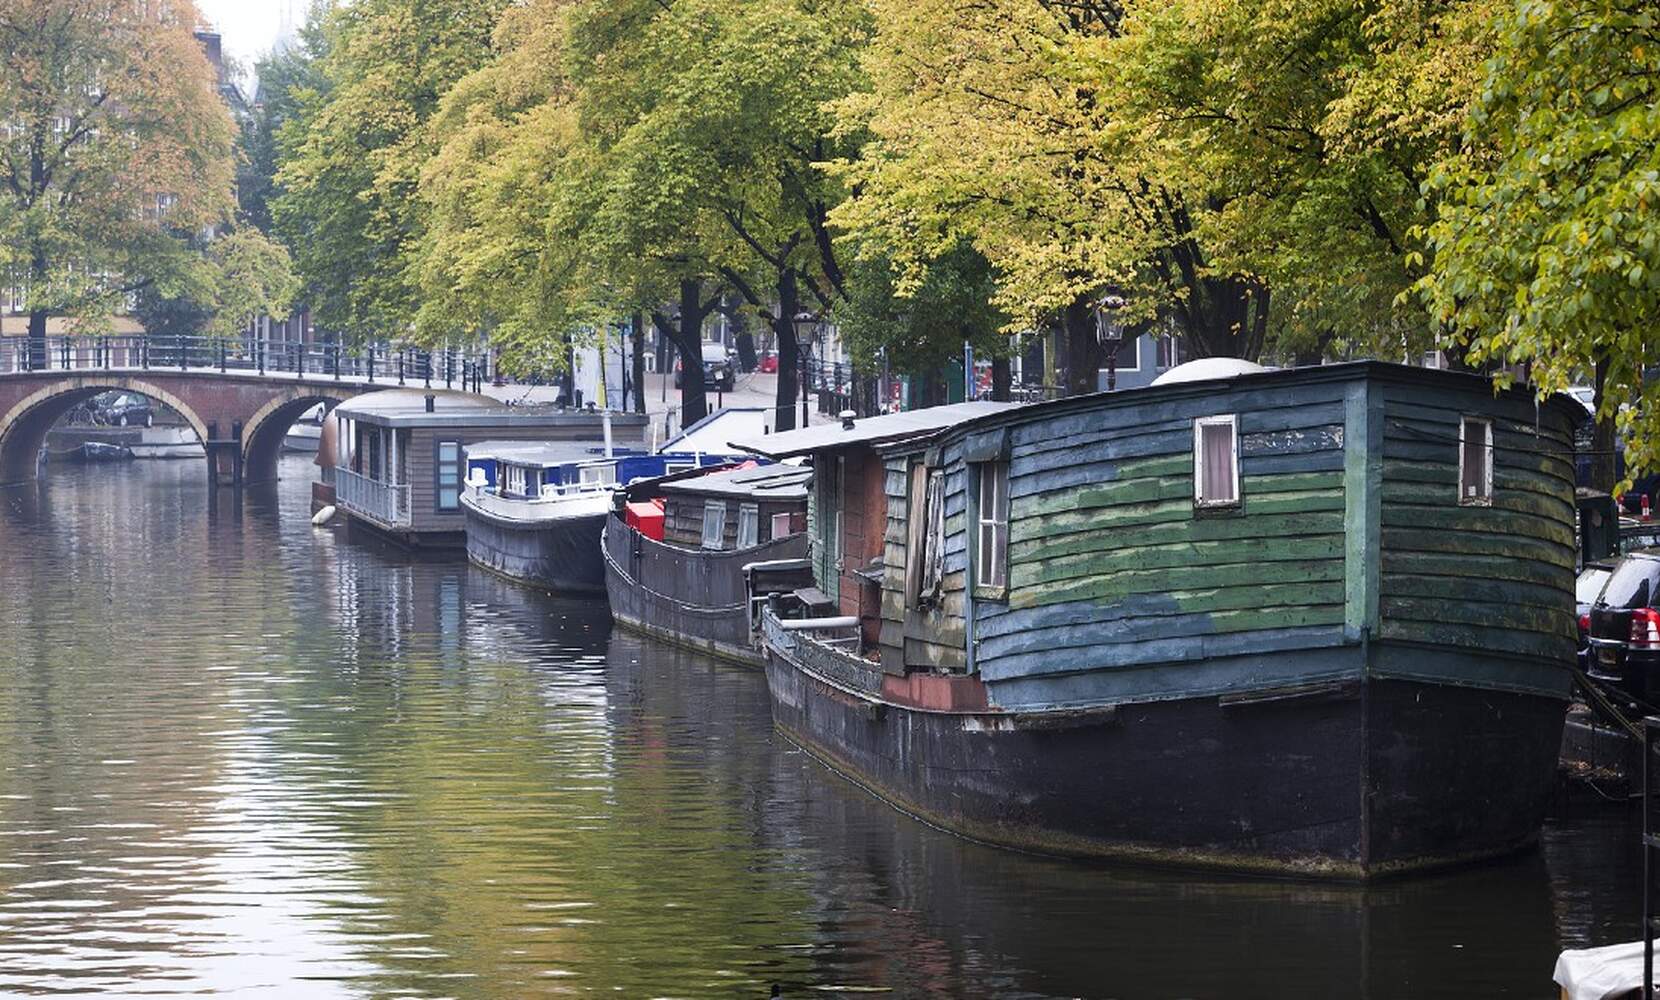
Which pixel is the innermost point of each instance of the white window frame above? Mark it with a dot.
(718, 509)
(455, 467)
(1485, 499)
(603, 474)
(1200, 487)
(991, 573)
(512, 480)
(1134, 344)
(749, 525)
(781, 526)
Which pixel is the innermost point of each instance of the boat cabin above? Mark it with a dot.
(1084, 550)
(544, 470)
(736, 509)
(398, 458)
(847, 514)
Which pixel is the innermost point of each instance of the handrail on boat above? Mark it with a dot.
(816, 624)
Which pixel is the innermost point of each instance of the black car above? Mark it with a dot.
(719, 371)
(1592, 579)
(124, 409)
(1625, 627)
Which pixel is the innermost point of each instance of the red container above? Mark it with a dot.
(646, 518)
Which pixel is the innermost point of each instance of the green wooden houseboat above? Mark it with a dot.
(1313, 621)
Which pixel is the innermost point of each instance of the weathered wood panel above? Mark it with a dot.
(1495, 578)
(1112, 568)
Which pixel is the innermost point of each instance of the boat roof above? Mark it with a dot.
(885, 428)
(541, 453)
(760, 482)
(451, 408)
(712, 434)
(1269, 378)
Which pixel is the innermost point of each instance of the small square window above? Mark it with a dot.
(1475, 461)
(780, 526)
(714, 523)
(1216, 461)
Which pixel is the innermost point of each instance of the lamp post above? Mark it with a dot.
(806, 325)
(1109, 331)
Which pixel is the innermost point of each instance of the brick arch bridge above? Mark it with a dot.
(239, 399)
(241, 419)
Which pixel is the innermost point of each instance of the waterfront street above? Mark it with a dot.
(242, 755)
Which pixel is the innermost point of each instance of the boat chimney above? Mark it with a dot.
(847, 419)
(432, 402)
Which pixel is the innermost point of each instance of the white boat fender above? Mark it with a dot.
(323, 516)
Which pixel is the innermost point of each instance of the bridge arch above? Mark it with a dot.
(24, 426)
(263, 433)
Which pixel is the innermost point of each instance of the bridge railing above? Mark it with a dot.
(383, 502)
(393, 364)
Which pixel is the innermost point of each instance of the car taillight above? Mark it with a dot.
(1584, 624)
(1645, 627)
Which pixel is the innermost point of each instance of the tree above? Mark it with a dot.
(1298, 135)
(919, 330)
(978, 134)
(251, 277)
(352, 155)
(284, 76)
(117, 149)
(1247, 172)
(1545, 249)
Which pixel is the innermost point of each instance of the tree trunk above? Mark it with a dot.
(638, 342)
(789, 352)
(1604, 470)
(1001, 379)
(1225, 318)
(567, 378)
(1083, 349)
(37, 339)
(688, 338)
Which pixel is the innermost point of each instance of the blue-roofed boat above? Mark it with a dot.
(534, 510)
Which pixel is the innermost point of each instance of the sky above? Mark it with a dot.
(249, 27)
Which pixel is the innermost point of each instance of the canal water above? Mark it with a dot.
(242, 756)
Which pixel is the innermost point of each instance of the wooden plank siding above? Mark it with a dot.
(1110, 566)
(1493, 579)
(683, 519)
(1348, 554)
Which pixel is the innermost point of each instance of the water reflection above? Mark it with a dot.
(241, 754)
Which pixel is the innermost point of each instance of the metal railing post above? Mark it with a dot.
(222, 347)
(336, 347)
(401, 352)
(1651, 843)
(64, 349)
(371, 362)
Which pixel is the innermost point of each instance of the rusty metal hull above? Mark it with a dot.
(691, 597)
(1353, 781)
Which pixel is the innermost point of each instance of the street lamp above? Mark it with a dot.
(1109, 331)
(806, 325)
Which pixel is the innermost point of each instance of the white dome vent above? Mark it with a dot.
(1206, 369)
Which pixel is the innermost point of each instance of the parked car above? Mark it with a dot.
(1625, 627)
(719, 371)
(1587, 589)
(124, 409)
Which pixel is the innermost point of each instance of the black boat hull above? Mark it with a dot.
(693, 598)
(562, 554)
(1351, 781)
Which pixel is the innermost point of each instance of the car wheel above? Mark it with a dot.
(729, 384)
(121, 421)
